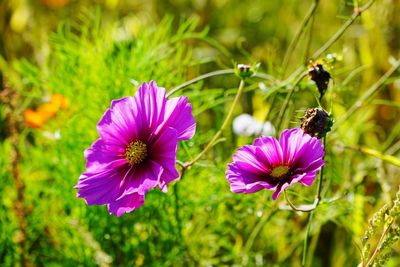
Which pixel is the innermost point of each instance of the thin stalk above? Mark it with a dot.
(309, 39)
(317, 200)
(374, 153)
(260, 75)
(305, 244)
(368, 94)
(357, 12)
(378, 246)
(295, 40)
(7, 94)
(199, 78)
(257, 229)
(319, 190)
(334, 38)
(177, 208)
(321, 176)
(223, 126)
(308, 209)
(287, 99)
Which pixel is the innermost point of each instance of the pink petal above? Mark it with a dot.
(142, 179)
(120, 123)
(163, 151)
(101, 156)
(178, 114)
(150, 101)
(269, 150)
(246, 159)
(100, 188)
(126, 204)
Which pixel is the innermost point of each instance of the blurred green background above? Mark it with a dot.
(91, 52)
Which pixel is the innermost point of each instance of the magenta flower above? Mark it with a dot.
(136, 150)
(269, 164)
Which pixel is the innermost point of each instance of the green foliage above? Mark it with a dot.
(95, 57)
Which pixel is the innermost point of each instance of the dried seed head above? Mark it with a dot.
(320, 76)
(316, 122)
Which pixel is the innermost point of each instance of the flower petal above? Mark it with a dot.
(299, 149)
(285, 185)
(242, 181)
(246, 159)
(100, 188)
(271, 151)
(126, 204)
(150, 101)
(120, 123)
(140, 180)
(178, 114)
(101, 156)
(163, 151)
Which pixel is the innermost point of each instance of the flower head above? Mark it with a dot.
(136, 150)
(275, 165)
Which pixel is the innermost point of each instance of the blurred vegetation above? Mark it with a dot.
(91, 52)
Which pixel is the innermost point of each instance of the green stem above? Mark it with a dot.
(257, 229)
(378, 246)
(309, 38)
(321, 177)
(305, 244)
(357, 12)
(287, 99)
(334, 38)
(199, 78)
(296, 38)
(367, 95)
(177, 208)
(223, 126)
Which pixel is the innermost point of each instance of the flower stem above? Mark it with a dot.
(199, 78)
(223, 126)
(287, 99)
(299, 32)
(357, 12)
(305, 244)
(321, 176)
(368, 94)
(177, 217)
(378, 246)
(260, 75)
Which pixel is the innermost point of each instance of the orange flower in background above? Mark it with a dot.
(55, 3)
(36, 118)
(33, 119)
(60, 101)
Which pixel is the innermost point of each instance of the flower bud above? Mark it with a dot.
(244, 71)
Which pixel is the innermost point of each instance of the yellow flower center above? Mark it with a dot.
(136, 152)
(279, 171)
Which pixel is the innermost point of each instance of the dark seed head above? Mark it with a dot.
(320, 76)
(316, 122)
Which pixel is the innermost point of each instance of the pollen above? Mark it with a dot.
(279, 171)
(136, 152)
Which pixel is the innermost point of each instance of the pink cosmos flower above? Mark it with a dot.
(269, 164)
(136, 150)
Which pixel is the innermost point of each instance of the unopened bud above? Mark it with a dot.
(244, 71)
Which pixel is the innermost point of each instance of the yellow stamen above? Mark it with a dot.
(279, 171)
(136, 152)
